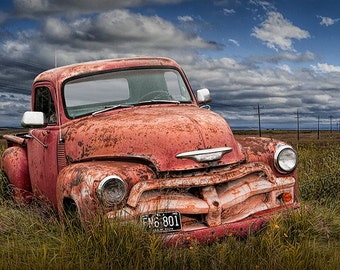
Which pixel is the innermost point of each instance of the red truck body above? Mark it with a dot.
(128, 137)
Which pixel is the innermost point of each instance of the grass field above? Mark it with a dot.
(32, 237)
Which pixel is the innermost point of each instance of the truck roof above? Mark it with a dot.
(78, 69)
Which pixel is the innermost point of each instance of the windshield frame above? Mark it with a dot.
(183, 87)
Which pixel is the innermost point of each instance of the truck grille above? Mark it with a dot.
(212, 199)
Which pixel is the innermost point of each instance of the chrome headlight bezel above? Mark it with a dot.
(285, 159)
(112, 190)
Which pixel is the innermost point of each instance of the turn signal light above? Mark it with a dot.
(285, 197)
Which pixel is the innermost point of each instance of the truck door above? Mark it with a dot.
(42, 146)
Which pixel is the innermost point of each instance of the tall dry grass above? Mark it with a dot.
(31, 237)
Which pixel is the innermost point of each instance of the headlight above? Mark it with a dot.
(112, 190)
(285, 159)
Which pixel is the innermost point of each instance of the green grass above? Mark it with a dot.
(31, 237)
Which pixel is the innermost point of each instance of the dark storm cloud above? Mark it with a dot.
(33, 8)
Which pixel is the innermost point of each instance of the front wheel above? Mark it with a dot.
(71, 219)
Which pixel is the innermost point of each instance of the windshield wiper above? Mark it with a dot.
(158, 101)
(108, 108)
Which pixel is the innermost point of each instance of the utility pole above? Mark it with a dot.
(298, 124)
(258, 107)
(318, 127)
(331, 122)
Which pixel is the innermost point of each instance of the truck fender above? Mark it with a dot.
(74, 193)
(15, 166)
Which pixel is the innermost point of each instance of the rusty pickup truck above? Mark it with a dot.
(129, 138)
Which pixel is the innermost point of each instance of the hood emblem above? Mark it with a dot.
(206, 155)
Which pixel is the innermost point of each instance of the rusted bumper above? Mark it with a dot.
(240, 229)
(213, 204)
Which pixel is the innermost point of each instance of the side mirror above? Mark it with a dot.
(33, 119)
(203, 96)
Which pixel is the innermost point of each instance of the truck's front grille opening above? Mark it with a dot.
(209, 201)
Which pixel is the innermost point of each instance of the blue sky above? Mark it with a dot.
(283, 55)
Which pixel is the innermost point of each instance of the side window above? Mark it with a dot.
(44, 103)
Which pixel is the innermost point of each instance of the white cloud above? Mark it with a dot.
(15, 48)
(322, 99)
(325, 68)
(233, 41)
(228, 11)
(327, 21)
(278, 33)
(285, 68)
(185, 18)
(121, 31)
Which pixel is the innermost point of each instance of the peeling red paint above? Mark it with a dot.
(137, 149)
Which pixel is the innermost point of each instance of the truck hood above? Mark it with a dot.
(155, 133)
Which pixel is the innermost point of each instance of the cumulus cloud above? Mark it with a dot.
(285, 68)
(327, 21)
(12, 107)
(121, 29)
(325, 68)
(111, 34)
(278, 33)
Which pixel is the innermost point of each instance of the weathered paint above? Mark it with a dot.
(67, 161)
(260, 149)
(58, 76)
(42, 162)
(154, 133)
(224, 196)
(79, 181)
(14, 164)
(240, 229)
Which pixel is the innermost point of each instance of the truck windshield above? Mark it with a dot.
(95, 93)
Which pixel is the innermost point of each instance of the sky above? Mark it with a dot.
(279, 60)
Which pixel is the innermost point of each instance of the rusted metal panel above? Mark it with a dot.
(61, 74)
(213, 178)
(14, 164)
(259, 149)
(14, 139)
(57, 76)
(80, 181)
(211, 200)
(240, 229)
(167, 132)
(42, 162)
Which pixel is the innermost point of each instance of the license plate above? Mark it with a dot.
(163, 222)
